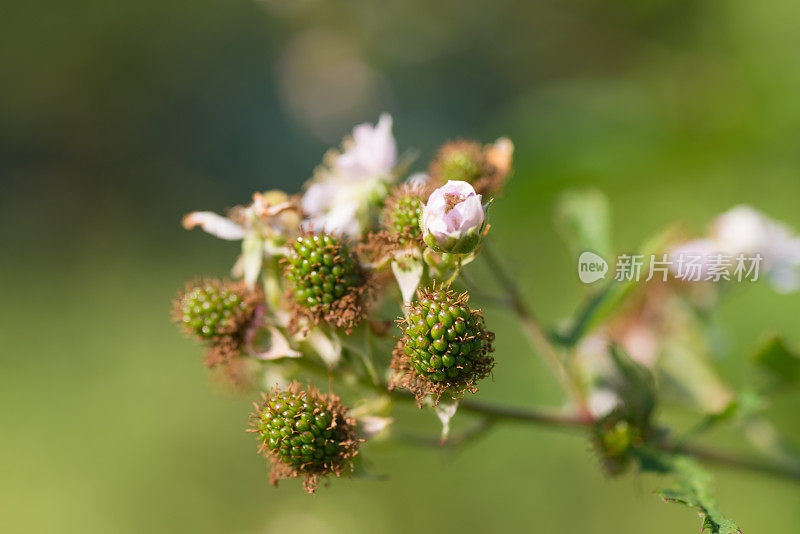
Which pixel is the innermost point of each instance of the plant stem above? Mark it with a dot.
(495, 413)
(534, 331)
(492, 411)
(727, 459)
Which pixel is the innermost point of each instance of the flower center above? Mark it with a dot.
(451, 201)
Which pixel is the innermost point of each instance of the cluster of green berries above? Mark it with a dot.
(303, 430)
(321, 270)
(442, 337)
(403, 219)
(210, 310)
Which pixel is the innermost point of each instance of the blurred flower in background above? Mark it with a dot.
(745, 230)
(348, 184)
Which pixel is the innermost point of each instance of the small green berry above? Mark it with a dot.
(211, 309)
(486, 168)
(305, 433)
(219, 314)
(402, 218)
(615, 438)
(325, 281)
(459, 160)
(444, 346)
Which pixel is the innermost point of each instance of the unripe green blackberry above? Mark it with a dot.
(218, 313)
(400, 230)
(444, 346)
(402, 218)
(210, 310)
(462, 161)
(471, 162)
(305, 434)
(614, 439)
(326, 282)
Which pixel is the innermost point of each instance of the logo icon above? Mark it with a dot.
(591, 267)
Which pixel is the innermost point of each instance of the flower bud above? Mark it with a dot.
(454, 219)
(305, 434)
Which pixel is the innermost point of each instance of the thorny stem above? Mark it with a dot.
(537, 336)
(491, 411)
(492, 414)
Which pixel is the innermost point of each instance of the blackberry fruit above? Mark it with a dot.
(218, 313)
(326, 282)
(211, 310)
(467, 161)
(400, 225)
(461, 161)
(444, 346)
(305, 434)
(402, 218)
(614, 439)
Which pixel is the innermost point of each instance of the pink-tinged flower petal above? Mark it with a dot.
(419, 179)
(373, 151)
(439, 228)
(457, 187)
(341, 220)
(214, 224)
(360, 174)
(741, 229)
(690, 260)
(745, 230)
(468, 214)
(317, 198)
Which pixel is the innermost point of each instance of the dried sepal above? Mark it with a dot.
(444, 349)
(305, 434)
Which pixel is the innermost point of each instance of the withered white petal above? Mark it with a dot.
(214, 224)
(372, 425)
(279, 347)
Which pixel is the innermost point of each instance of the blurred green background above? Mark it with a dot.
(118, 117)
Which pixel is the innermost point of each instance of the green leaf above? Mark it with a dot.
(747, 405)
(714, 419)
(583, 218)
(610, 298)
(780, 359)
(637, 390)
(693, 487)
